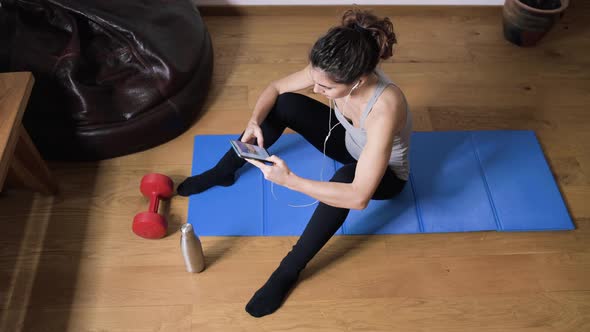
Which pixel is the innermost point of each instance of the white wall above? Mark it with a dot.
(344, 2)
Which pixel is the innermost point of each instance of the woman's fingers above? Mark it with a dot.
(253, 132)
(274, 159)
(259, 138)
(256, 163)
(265, 169)
(246, 137)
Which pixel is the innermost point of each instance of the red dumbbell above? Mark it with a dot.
(151, 224)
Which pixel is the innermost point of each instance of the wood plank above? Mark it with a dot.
(339, 272)
(536, 312)
(15, 89)
(29, 168)
(71, 262)
(138, 319)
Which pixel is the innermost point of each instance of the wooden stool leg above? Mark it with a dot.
(29, 168)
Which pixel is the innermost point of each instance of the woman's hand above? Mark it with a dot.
(253, 131)
(278, 173)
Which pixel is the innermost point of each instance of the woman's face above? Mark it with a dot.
(325, 86)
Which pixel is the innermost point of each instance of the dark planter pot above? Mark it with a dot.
(525, 25)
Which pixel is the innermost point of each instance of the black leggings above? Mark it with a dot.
(309, 118)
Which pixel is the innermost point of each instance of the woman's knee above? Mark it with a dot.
(286, 101)
(285, 107)
(289, 98)
(345, 174)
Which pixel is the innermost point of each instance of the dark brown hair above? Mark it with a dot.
(355, 47)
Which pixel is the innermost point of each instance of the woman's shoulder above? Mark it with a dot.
(390, 107)
(391, 89)
(392, 98)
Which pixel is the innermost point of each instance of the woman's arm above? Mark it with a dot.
(294, 82)
(383, 122)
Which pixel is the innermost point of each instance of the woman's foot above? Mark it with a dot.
(199, 183)
(270, 297)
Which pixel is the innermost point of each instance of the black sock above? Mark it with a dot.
(223, 174)
(270, 297)
(199, 183)
(323, 224)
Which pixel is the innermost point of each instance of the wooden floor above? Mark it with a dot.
(71, 262)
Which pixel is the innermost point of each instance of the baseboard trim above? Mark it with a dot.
(336, 11)
(347, 3)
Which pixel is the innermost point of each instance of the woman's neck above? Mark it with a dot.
(366, 89)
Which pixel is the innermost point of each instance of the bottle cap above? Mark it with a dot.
(186, 228)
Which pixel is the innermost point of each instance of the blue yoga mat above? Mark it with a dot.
(460, 181)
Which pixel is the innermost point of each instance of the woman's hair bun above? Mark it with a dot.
(380, 29)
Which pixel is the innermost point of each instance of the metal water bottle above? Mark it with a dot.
(191, 248)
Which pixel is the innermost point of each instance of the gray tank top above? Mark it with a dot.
(356, 138)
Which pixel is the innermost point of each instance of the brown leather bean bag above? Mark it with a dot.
(112, 77)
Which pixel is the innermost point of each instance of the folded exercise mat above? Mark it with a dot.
(460, 181)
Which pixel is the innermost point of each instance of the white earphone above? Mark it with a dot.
(330, 128)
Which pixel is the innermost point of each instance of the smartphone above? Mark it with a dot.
(250, 151)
